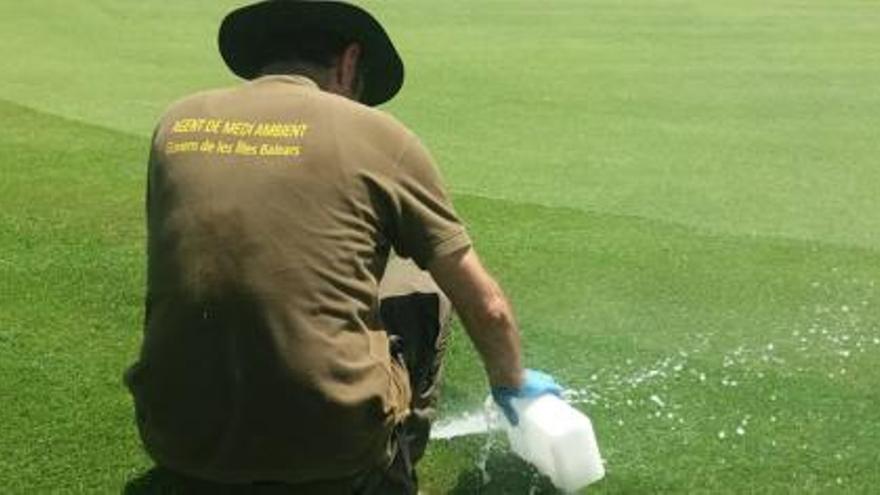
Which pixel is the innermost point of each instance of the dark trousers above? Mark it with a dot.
(416, 315)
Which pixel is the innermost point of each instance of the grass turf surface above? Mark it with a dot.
(680, 200)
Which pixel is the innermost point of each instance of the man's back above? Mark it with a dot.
(271, 211)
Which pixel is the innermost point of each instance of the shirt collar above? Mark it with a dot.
(287, 78)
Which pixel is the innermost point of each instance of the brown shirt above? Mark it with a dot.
(272, 208)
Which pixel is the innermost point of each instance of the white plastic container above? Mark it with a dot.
(558, 440)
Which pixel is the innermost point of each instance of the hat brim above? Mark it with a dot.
(249, 35)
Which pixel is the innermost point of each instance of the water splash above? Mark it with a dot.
(483, 459)
(472, 423)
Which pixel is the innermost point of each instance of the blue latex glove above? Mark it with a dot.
(535, 384)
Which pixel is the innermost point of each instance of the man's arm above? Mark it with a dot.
(485, 312)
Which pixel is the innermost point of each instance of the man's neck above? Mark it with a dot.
(319, 75)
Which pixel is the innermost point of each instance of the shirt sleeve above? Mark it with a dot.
(425, 225)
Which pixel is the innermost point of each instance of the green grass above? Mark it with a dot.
(72, 259)
(667, 190)
(630, 309)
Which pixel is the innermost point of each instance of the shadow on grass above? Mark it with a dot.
(508, 474)
(158, 481)
(154, 481)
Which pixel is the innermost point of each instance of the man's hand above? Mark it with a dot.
(535, 384)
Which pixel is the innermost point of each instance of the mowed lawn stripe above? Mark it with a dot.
(734, 116)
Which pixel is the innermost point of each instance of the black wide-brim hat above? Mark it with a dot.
(249, 37)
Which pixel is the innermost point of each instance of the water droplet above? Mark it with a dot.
(740, 431)
(722, 435)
